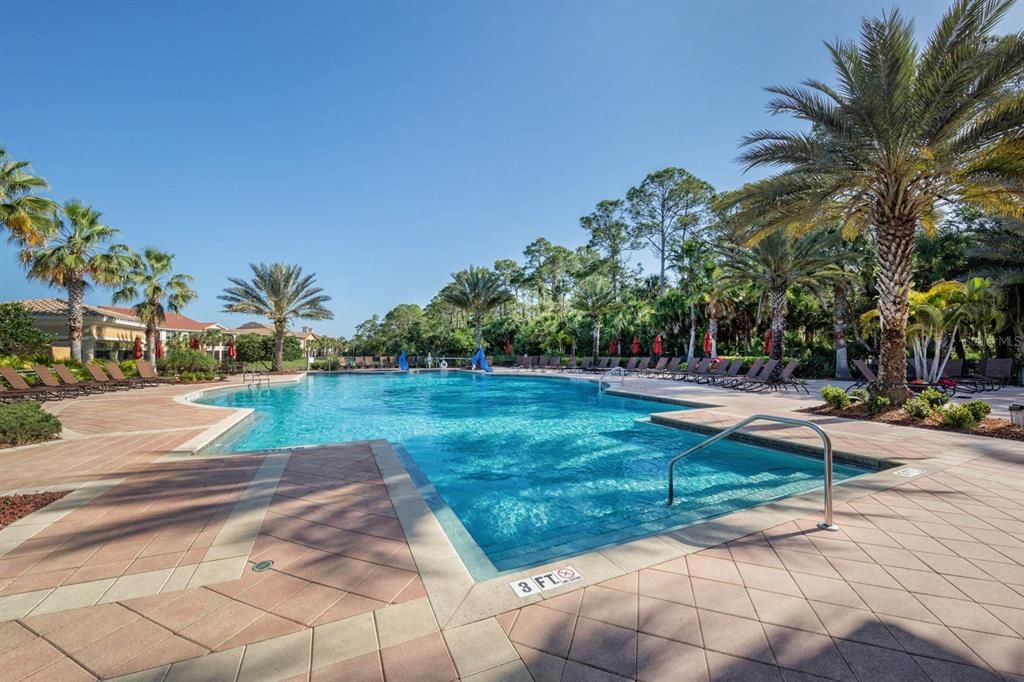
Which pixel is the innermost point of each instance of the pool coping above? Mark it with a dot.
(458, 599)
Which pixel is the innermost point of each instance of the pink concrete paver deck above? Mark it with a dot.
(924, 581)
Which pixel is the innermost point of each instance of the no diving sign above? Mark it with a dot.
(524, 587)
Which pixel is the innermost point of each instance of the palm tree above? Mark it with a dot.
(716, 306)
(594, 297)
(281, 293)
(151, 283)
(902, 132)
(476, 292)
(25, 214)
(76, 259)
(777, 264)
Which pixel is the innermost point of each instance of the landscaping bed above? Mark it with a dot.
(25, 422)
(990, 427)
(14, 507)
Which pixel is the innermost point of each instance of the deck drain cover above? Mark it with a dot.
(263, 565)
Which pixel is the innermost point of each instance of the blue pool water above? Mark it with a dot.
(526, 469)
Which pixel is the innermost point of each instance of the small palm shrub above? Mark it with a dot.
(128, 368)
(979, 408)
(958, 417)
(25, 422)
(860, 394)
(935, 397)
(835, 397)
(918, 407)
(877, 404)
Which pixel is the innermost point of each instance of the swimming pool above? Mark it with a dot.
(521, 470)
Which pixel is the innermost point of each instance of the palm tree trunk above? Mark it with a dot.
(839, 330)
(479, 333)
(151, 341)
(279, 331)
(778, 301)
(713, 328)
(76, 293)
(895, 249)
(597, 337)
(693, 334)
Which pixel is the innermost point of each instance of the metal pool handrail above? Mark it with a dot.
(826, 447)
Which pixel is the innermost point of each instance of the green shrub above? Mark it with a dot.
(877, 404)
(19, 334)
(958, 417)
(935, 397)
(979, 408)
(186, 361)
(128, 368)
(25, 422)
(860, 394)
(835, 397)
(918, 407)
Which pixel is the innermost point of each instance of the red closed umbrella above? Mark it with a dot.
(657, 345)
(159, 349)
(232, 353)
(636, 346)
(137, 348)
(708, 342)
(768, 342)
(611, 347)
(508, 347)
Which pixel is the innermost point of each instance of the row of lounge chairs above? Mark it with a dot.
(762, 375)
(62, 383)
(991, 376)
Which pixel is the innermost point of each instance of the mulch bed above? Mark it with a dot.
(14, 507)
(990, 427)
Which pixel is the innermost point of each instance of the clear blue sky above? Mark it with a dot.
(383, 146)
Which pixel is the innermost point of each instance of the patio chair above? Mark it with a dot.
(783, 381)
(866, 376)
(523, 362)
(50, 381)
(586, 365)
(601, 364)
(689, 373)
(100, 378)
(716, 370)
(630, 367)
(114, 370)
(571, 365)
(21, 389)
(767, 370)
(752, 372)
(998, 371)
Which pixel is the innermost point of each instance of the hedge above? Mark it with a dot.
(25, 422)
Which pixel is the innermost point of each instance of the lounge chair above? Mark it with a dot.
(20, 389)
(783, 381)
(630, 367)
(100, 378)
(523, 362)
(114, 370)
(601, 364)
(752, 372)
(869, 377)
(571, 365)
(716, 370)
(767, 370)
(670, 370)
(69, 378)
(690, 373)
(586, 365)
(147, 372)
(658, 367)
(50, 381)
(728, 374)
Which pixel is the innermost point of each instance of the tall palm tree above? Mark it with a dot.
(777, 264)
(25, 214)
(476, 292)
(594, 297)
(902, 132)
(281, 293)
(76, 258)
(156, 290)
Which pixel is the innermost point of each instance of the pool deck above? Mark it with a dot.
(145, 570)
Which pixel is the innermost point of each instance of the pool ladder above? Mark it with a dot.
(255, 379)
(826, 449)
(614, 371)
